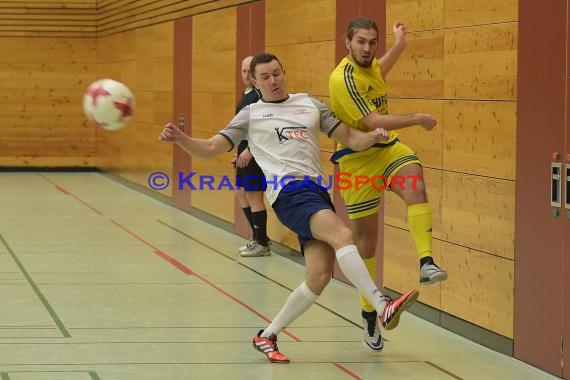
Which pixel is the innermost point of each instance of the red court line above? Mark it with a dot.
(347, 371)
(64, 191)
(188, 271)
(174, 262)
(183, 268)
(444, 370)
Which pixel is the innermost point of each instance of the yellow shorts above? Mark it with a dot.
(363, 176)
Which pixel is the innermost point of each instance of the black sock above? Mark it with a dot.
(369, 314)
(370, 317)
(426, 260)
(249, 216)
(260, 227)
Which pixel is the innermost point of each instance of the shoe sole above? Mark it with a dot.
(370, 348)
(268, 358)
(439, 277)
(256, 255)
(244, 248)
(276, 361)
(407, 303)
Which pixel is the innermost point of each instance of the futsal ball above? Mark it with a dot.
(108, 104)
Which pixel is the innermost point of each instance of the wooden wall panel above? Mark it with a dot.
(481, 62)
(460, 13)
(117, 48)
(212, 73)
(311, 37)
(480, 288)
(401, 269)
(428, 145)
(155, 73)
(142, 60)
(417, 15)
(215, 36)
(480, 138)
(48, 19)
(154, 42)
(46, 76)
(213, 104)
(48, 51)
(210, 116)
(309, 74)
(478, 212)
(299, 22)
(41, 118)
(461, 55)
(396, 211)
(120, 16)
(419, 71)
(51, 151)
(219, 203)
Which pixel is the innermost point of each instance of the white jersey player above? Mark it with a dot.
(283, 134)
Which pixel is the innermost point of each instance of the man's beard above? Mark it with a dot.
(364, 62)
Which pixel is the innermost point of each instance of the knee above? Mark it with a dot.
(255, 198)
(317, 281)
(417, 192)
(344, 235)
(418, 186)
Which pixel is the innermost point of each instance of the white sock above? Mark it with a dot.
(297, 303)
(354, 269)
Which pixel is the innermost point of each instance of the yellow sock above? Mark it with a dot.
(371, 266)
(419, 219)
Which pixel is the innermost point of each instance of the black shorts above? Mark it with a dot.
(251, 177)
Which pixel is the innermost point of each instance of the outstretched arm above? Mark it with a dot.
(201, 148)
(391, 122)
(358, 140)
(391, 56)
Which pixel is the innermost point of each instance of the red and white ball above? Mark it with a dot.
(108, 104)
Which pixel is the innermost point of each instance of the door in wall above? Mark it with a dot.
(542, 232)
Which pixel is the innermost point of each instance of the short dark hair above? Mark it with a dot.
(262, 58)
(360, 23)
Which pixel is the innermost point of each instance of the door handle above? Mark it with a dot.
(181, 122)
(567, 197)
(556, 184)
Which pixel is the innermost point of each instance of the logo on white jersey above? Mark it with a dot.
(290, 133)
(301, 111)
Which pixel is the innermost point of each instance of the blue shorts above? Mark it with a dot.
(295, 205)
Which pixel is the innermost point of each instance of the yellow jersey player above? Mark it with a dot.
(358, 96)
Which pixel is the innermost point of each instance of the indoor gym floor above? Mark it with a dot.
(100, 281)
